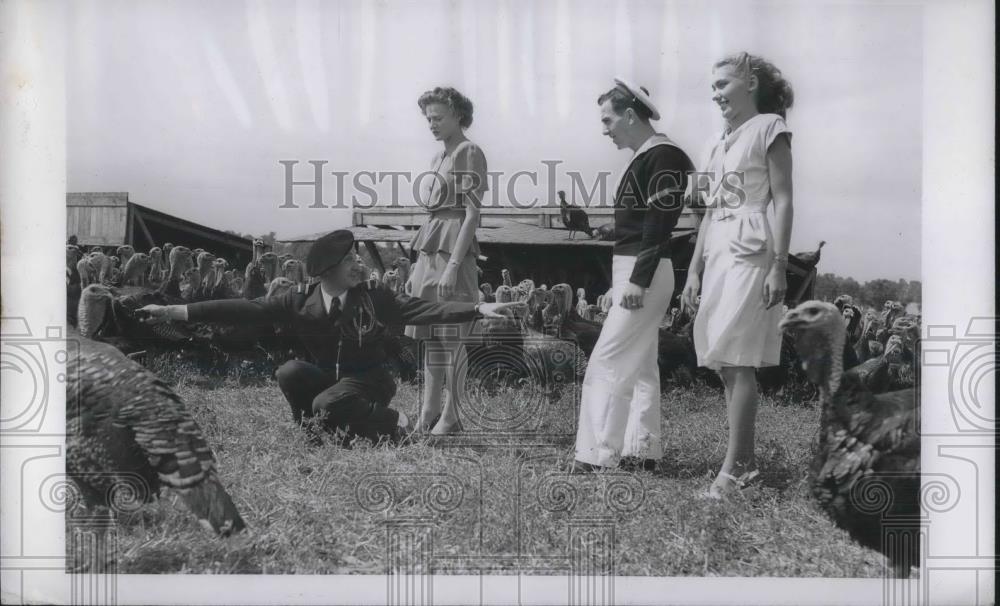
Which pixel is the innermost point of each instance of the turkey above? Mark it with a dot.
(128, 431)
(254, 287)
(278, 287)
(606, 232)
(181, 261)
(901, 374)
(206, 272)
(86, 270)
(125, 253)
(190, 285)
(499, 357)
(907, 328)
(874, 372)
(487, 291)
(74, 285)
(254, 275)
(219, 288)
(553, 362)
(809, 260)
(866, 470)
(787, 377)
(675, 357)
(590, 314)
(101, 265)
(581, 302)
(863, 346)
(269, 265)
(536, 300)
(236, 285)
(119, 323)
(843, 300)
(574, 218)
(136, 270)
(569, 325)
(157, 270)
(852, 315)
(402, 265)
(391, 280)
(524, 289)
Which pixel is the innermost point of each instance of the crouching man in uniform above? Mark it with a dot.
(343, 323)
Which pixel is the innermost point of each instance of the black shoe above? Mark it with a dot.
(579, 467)
(636, 464)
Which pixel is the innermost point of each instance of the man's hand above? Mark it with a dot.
(632, 296)
(501, 310)
(158, 314)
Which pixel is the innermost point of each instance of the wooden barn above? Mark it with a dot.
(109, 219)
(531, 243)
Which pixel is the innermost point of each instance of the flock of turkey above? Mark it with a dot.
(130, 425)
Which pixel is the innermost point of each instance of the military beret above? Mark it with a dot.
(328, 251)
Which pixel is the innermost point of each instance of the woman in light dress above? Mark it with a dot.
(741, 256)
(446, 267)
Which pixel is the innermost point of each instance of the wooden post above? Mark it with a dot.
(142, 226)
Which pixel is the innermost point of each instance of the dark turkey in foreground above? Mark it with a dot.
(128, 433)
(866, 472)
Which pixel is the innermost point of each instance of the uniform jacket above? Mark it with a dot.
(648, 203)
(352, 339)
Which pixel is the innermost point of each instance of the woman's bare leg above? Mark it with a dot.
(741, 407)
(434, 378)
(454, 373)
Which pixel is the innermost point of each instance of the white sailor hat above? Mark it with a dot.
(640, 95)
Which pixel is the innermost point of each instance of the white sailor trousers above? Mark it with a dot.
(620, 402)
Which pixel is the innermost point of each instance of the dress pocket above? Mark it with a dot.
(749, 237)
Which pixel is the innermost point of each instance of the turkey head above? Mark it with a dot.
(93, 310)
(269, 264)
(819, 331)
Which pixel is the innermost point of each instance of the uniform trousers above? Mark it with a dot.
(358, 403)
(620, 403)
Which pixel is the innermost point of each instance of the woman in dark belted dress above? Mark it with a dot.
(446, 267)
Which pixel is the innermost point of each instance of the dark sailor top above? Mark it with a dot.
(648, 202)
(351, 339)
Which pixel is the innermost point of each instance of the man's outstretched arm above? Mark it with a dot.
(417, 311)
(244, 312)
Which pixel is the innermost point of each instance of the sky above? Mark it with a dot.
(191, 107)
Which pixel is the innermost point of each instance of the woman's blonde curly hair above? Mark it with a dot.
(774, 94)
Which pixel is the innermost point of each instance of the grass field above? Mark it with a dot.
(506, 507)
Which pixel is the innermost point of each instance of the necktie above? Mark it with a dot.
(335, 307)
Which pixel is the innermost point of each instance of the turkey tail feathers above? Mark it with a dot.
(213, 507)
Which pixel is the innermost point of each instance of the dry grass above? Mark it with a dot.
(507, 507)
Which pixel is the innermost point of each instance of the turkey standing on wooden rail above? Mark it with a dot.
(574, 218)
(128, 433)
(866, 472)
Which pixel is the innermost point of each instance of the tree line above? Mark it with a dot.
(873, 292)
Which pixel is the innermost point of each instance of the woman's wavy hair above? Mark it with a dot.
(774, 94)
(459, 103)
